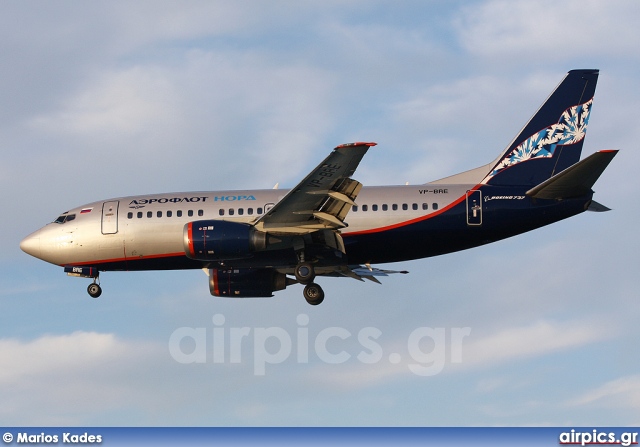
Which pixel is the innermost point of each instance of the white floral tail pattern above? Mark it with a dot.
(570, 129)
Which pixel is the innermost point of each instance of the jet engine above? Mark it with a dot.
(246, 282)
(213, 240)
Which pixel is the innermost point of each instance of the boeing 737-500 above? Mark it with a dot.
(255, 242)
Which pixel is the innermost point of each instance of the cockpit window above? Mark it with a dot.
(64, 218)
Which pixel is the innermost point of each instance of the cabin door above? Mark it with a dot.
(474, 207)
(110, 217)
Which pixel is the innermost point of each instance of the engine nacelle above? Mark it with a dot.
(216, 240)
(246, 282)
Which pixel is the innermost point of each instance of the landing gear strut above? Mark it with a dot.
(313, 293)
(305, 274)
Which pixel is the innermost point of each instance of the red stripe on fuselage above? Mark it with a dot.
(412, 221)
(129, 259)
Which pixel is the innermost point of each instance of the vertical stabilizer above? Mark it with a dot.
(552, 139)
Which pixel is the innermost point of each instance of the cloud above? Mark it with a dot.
(69, 379)
(619, 393)
(356, 376)
(538, 339)
(547, 30)
(121, 104)
(146, 114)
(462, 123)
(471, 351)
(50, 354)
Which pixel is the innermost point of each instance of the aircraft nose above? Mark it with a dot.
(31, 245)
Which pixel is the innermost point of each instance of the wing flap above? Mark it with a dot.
(329, 218)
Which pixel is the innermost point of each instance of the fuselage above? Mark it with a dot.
(388, 224)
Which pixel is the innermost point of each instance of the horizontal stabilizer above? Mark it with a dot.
(576, 180)
(597, 207)
(367, 272)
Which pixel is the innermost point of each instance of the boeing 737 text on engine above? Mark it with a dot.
(253, 243)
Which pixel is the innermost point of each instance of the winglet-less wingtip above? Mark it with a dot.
(356, 144)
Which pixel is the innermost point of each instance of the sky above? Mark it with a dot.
(106, 99)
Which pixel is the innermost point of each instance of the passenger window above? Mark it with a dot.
(365, 207)
(221, 212)
(259, 210)
(129, 215)
(149, 214)
(405, 207)
(159, 214)
(231, 212)
(414, 207)
(435, 206)
(354, 208)
(384, 207)
(179, 213)
(394, 207)
(250, 211)
(425, 206)
(240, 211)
(169, 213)
(190, 213)
(374, 207)
(139, 214)
(200, 213)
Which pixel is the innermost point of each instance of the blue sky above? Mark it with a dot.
(104, 99)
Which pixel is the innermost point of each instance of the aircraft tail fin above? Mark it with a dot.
(575, 181)
(552, 139)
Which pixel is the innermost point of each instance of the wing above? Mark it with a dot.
(322, 200)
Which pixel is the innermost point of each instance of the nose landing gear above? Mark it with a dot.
(94, 288)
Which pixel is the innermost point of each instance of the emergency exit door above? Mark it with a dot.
(110, 217)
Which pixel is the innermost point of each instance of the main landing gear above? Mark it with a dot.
(305, 274)
(313, 293)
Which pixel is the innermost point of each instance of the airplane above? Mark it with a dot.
(253, 243)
